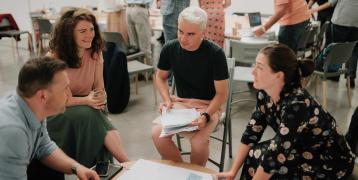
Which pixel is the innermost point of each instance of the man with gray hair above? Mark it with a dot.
(200, 73)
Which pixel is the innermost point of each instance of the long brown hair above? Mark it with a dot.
(282, 58)
(63, 42)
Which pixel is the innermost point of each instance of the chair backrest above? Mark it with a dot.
(314, 30)
(45, 26)
(322, 32)
(339, 53)
(246, 52)
(302, 41)
(117, 38)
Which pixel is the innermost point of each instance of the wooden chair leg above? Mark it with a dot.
(316, 86)
(136, 83)
(324, 93)
(154, 89)
(349, 95)
(13, 48)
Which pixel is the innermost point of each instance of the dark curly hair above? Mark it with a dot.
(63, 42)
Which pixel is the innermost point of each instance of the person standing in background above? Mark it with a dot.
(170, 10)
(139, 30)
(116, 16)
(293, 16)
(216, 19)
(324, 13)
(345, 28)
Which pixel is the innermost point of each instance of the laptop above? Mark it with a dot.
(254, 19)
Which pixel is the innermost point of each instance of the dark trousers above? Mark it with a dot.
(347, 34)
(36, 170)
(290, 34)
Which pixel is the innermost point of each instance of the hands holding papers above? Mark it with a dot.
(178, 120)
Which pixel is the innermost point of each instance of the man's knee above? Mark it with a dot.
(198, 141)
(156, 130)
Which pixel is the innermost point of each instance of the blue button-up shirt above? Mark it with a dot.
(146, 2)
(22, 138)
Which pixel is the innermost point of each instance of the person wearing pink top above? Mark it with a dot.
(83, 131)
(293, 16)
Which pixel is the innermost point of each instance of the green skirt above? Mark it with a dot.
(80, 133)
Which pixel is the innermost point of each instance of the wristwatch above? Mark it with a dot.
(74, 169)
(207, 116)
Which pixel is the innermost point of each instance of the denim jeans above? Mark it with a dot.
(290, 34)
(170, 26)
(347, 34)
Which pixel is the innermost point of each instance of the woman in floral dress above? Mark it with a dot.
(216, 19)
(308, 143)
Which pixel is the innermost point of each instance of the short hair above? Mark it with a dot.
(62, 41)
(194, 15)
(37, 74)
(282, 58)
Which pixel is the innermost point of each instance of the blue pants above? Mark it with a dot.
(290, 34)
(170, 26)
(347, 34)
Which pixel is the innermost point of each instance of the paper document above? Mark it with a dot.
(178, 120)
(148, 170)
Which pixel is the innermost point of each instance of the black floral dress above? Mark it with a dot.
(307, 145)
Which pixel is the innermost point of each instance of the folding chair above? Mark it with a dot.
(134, 65)
(225, 120)
(9, 28)
(245, 55)
(339, 55)
(45, 28)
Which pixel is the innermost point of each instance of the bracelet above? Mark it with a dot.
(207, 116)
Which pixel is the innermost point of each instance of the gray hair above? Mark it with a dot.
(194, 14)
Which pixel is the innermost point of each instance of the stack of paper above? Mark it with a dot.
(148, 170)
(178, 120)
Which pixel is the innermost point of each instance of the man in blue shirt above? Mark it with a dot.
(42, 91)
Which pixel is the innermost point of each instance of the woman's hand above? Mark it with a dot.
(225, 175)
(94, 102)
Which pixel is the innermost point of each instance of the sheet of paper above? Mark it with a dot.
(148, 170)
(178, 117)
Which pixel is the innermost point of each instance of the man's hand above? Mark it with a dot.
(258, 31)
(158, 4)
(84, 173)
(200, 122)
(165, 105)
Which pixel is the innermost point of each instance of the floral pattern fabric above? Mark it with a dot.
(307, 145)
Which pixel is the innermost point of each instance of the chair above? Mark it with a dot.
(225, 120)
(302, 42)
(339, 54)
(134, 66)
(9, 28)
(45, 28)
(321, 35)
(245, 55)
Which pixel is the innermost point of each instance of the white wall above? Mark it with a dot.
(21, 8)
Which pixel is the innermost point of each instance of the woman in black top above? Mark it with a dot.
(307, 145)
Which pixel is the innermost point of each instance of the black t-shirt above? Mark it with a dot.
(194, 71)
(326, 14)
